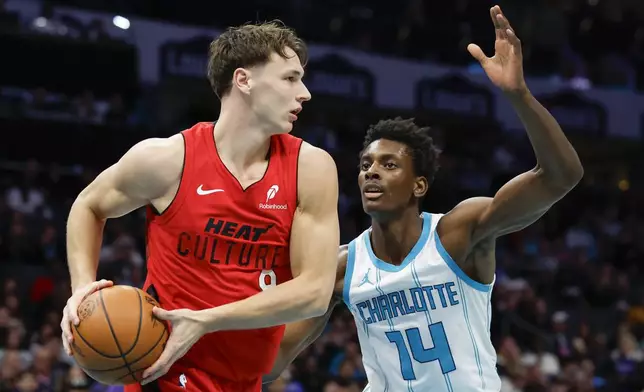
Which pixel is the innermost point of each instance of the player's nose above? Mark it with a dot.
(304, 95)
(371, 174)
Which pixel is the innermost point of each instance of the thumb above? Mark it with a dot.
(162, 314)
(477, 53)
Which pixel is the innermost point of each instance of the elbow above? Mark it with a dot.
(319, 298)
(574, 171)
(564, 179)
(271, 377)
(319, 305)
(573, 175)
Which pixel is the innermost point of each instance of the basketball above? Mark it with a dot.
(118, 337)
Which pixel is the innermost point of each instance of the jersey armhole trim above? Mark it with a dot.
(457, 270)
(179, 197)
(348, 273)
(297, 175)
(294, 193)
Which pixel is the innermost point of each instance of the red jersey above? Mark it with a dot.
(218, 243)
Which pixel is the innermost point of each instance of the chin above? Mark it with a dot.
(281, 129)
(382, 209)
(374, 206)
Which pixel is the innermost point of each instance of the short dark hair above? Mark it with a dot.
(424, 153)
(246, 46)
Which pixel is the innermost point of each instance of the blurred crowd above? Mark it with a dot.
(589, 42)
(598, 40)
(85, 108)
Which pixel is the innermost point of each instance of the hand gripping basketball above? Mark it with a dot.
(187, 329)
(70, 313)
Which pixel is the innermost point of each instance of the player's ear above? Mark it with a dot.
(421, 186)
(242, 80)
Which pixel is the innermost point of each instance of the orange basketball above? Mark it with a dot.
(118, 337)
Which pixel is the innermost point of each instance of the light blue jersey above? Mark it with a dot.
(423, 326)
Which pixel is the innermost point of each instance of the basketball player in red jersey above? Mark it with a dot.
(242, 231)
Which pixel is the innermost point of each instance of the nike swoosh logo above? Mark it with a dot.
(202, 192)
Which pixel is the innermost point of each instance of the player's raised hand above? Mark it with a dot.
(70, 313)
(505, 68)
(186, 330)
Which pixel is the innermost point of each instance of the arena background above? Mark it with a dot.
(82, 81)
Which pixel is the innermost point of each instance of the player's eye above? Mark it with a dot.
(292, 79)
(390, 165)
(364, 166)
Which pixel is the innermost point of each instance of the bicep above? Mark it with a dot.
(315, 234)
(314, 241)
(130, 183)
(517, 204)
(105, 198)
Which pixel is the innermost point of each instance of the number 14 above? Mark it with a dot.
(441, 351)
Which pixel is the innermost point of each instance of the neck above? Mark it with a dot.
(393, 240)
(241, 139)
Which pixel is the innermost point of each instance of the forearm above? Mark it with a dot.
(84, 238)
(298, 336)
(556, 157)
(291, 301)
(315, 328)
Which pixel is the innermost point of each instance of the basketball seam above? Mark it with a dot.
(132, 373)
(94, 348)
(109, 324)
(138, 331)
(163, 333)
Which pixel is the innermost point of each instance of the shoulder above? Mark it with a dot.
(315, 159)
(153, 151)
(154, 161)
(155, 154)
(457, 227)
(466, 213)
(317, 175)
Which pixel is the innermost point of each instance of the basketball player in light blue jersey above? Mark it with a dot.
(419, 284)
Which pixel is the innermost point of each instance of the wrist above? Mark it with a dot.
(81, 283)
(519, 95)
(212, 319)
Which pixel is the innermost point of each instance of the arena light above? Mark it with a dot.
(121, 22)
(40, 22)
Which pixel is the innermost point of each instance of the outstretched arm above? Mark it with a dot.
(525, 198)
(301, 334)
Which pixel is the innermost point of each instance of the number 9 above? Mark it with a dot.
(267, 279)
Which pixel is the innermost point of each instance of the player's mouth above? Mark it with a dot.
(372, 191)
(293, 114)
